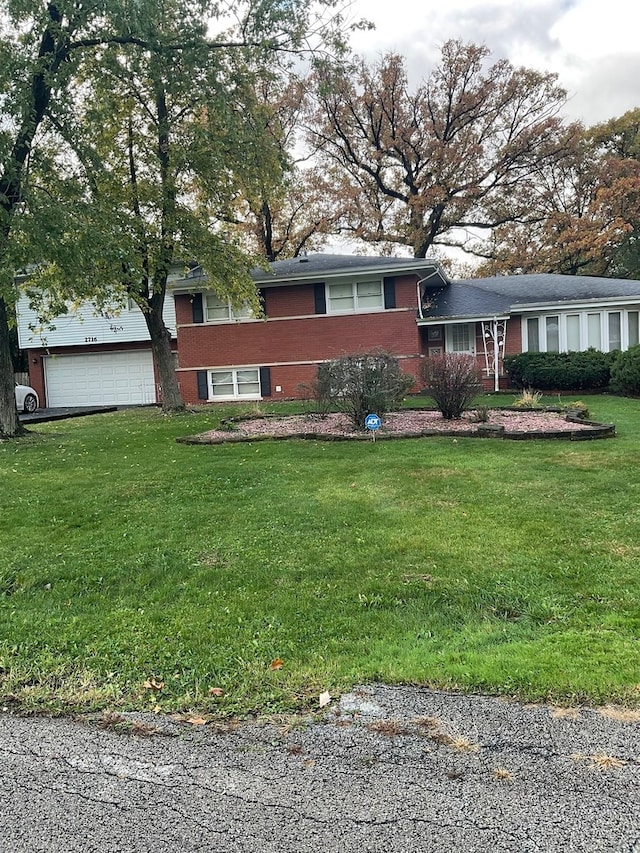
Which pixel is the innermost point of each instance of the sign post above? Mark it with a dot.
(373, 423)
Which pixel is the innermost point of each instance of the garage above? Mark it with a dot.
(100, 379)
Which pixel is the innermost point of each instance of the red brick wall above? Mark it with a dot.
(300, 336)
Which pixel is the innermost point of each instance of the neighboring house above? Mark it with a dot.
(91, 358)
(322, 306)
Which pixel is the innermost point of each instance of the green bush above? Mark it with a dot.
(363, 384)
(560, 371)
(625, 372)
(452, 380)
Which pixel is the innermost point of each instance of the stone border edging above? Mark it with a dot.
(595, 430)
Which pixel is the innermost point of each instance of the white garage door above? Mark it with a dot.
(104, 379)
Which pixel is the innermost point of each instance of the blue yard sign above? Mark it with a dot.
(373, 423)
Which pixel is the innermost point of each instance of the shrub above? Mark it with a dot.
(317, 398)
(560, 370)
(625, 372)
(359, 385)
(452, 380)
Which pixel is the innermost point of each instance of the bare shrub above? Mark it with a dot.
(452, 380)
(363, 384)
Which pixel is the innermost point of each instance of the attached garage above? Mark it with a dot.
(100, 379)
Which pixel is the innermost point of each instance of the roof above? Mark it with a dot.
(500, 295)
(320, 267)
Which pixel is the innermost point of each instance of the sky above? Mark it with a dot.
(593, 45)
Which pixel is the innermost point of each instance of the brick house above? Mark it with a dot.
(320, 307)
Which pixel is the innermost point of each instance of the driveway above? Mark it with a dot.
(386, 769)
(61, 412)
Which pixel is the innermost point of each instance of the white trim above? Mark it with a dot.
(236, 395)
(353, 284)
(274, 364)
(603, 313)
(471, 328)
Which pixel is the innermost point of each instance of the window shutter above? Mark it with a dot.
(203, 385)
(265, 381)
(196, 306)
(389, 293)
(320, 298)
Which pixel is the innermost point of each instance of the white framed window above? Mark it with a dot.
(218, 310)
(615, 331)
(236, 384)
(355, 296)
(553, 333)
(601, 330)
(460, 337)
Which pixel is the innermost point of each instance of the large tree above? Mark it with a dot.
(585, 213)
(420, 166)
(296, 213)
(51, 57)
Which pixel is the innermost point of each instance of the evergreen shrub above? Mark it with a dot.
(560, 371)
(625, 372)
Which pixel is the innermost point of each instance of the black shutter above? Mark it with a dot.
(265, 381)
(320, 298)
(203, 385)
(389, 293)
(196, 306)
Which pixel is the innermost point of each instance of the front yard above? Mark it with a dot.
(242, 578)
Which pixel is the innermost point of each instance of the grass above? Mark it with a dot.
(127, 560)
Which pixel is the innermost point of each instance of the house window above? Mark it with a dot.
(573, 332)
(632, 319)
(533, 334)
(460, 338)
(607, 331)
(234, 384)
(355, 296)
(553, 334)
(615, 331)
(594, 337)
(222, 311)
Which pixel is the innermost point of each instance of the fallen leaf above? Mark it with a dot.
(152, 684)
(324, 699)
(216, 691)
(197, 721)
(277, 664)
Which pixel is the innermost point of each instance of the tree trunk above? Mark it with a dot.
(163, 358)
(10, 425)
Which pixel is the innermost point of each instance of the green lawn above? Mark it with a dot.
(497, 566)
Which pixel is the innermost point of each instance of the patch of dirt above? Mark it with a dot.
(403, 424)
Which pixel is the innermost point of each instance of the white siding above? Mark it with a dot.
(84, 327)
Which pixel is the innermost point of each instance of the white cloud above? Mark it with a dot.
(593, 46)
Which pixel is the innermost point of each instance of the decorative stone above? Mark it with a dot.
(491, 430)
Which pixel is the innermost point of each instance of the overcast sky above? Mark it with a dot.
(593, 45)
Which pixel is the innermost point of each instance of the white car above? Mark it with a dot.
(26, 399)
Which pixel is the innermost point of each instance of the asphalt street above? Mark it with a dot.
(386, 769)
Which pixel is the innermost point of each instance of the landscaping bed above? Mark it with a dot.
(415, 423)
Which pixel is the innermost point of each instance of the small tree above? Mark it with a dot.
(452, 380)
(363, 384)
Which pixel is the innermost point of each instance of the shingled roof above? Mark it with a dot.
(500, 295)
(319, 266)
